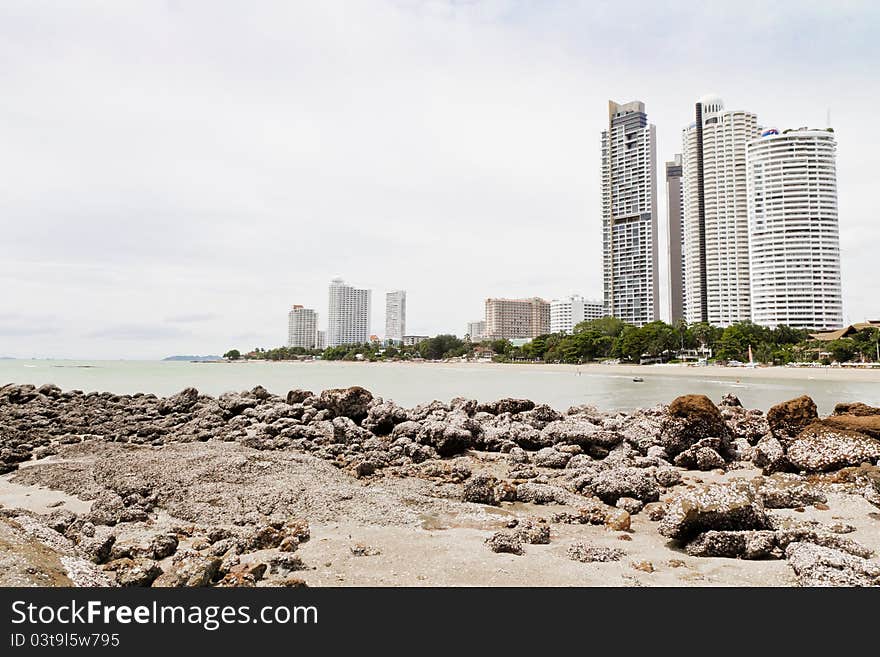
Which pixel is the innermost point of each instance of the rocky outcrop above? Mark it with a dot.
(786, 420)
(691, 418)
(820, 448)
(815, 565)
(732, 506)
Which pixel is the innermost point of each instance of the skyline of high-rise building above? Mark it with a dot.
(716, 238)
(516, 319)
(675, 233)
(794, 242)
(348, 314)
(629, 215)
(302, 327)
(395, 316)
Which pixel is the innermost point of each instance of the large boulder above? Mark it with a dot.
(579, 430)
(731, 506)
(353, 402)
(787, 419)
(690, 418)
(820, 448)
(506, 405)
(753, 544)
(610, 485)
(855, 408)
(866, 424)
(182, 402)
(769, 455)
(815, 565)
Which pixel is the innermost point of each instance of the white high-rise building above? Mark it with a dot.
(716, 225)
(794, 242)
(395, 316)
(567, 313)
(302, 328)
(477, 330)
(348, 315)
(629, 215)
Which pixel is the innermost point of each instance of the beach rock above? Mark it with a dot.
(787, 419)
(506, 405)
(480, 489)
(534, 532)
(190, 571)
(285, 564)
(668, 477)
(353, 402)
(134, 572)
(383, 417)
(618, 520)
(629, 504)
(579, 430)
(551, 458)
(855, 408)
(298, 396)
(867, 424)
(731, 401)
(819, 535)
(587, 553)
(540, 493)
(769, 455)
(182, 402)
(733, 544)
(505, 541)
(690, 418)
(820, 448)
(702, 455)
(96, 548)
(730, 506)
(234, 403)
(609, 485)
(787, 491)
(815, 565)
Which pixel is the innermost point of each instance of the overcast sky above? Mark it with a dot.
(174, 175)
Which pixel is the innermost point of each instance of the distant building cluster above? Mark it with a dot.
(751, 217)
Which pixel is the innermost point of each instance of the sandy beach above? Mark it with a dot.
(742, 373)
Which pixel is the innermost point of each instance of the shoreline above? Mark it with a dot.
(708, 371)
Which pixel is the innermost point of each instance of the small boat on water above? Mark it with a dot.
(638, 379)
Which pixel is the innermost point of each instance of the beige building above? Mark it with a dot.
(512, 319)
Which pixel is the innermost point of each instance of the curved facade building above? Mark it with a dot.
(794, 246)
(716, 240)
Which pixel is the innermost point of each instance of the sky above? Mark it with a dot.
(174, 175)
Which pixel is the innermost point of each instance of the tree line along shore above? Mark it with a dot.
(610, 338)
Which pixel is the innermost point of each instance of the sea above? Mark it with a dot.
(411, 383)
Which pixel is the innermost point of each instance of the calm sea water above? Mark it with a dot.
(410, 384)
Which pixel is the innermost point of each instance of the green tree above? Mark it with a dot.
(842, 350)
(232, 354)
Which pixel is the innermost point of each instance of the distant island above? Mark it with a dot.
(194, 358)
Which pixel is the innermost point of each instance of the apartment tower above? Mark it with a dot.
(513, 319)
(348, 315)
(302, 328)
(395, 316)
(629, 215)
(716, 232)
(794, 243)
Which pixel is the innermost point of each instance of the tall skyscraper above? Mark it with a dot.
(567, 313)
(348, 315)
(302, 328)
(395, 316)
(716, 225)
(794, 243)
(675, 224)
(513, 319)
(629, 215)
